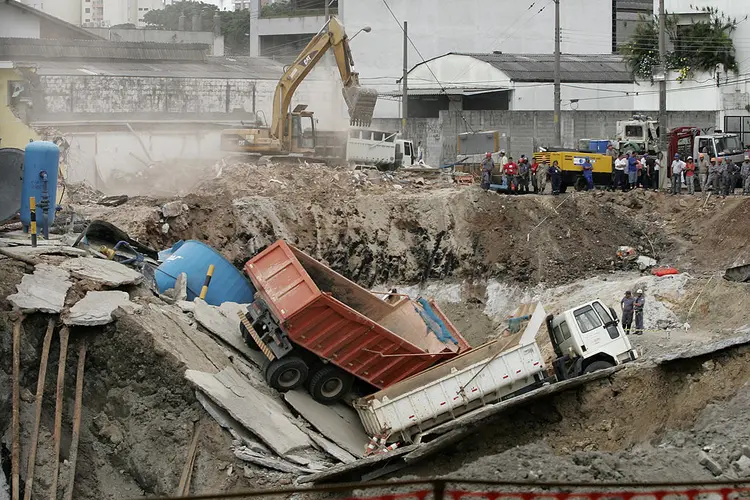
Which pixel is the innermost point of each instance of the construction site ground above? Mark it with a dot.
(479, 254)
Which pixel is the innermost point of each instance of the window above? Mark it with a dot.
(707, 146)
(558, 335)
(633, 132)
(565, 330)
(603, 313)
(728, 144)
(88, 10)
(587, 319)
(407, 149)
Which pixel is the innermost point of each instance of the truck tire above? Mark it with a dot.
(247, 338)
(287, 373)
(329, 384)
(596, 366)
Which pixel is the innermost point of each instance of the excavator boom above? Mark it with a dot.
(360, 101)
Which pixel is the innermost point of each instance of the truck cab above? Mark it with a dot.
(690, 141)
(588, 338)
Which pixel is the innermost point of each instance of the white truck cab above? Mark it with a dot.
(588, 338)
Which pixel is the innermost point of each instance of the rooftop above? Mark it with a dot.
(62, 28)
(574, 68)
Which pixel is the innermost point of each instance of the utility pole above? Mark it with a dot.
(405, 93)
(327, 4)
(663, 97)
(558, 128)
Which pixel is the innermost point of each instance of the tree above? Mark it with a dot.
(235, 25)
(699, 46)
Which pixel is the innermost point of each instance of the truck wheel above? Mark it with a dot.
(329, 384)
(247, 338)
(286, 374)
(598, 365)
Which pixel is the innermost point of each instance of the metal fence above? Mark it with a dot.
(458, 489)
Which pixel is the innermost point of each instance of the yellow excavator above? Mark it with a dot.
(285, 135)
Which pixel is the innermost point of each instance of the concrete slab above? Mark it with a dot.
(43, 291)
(345, 432)
(107, 272)
(331, 448)
(239, 433)
(96, 308)
(27, 251)
(259, 413)
(248, 455)
(225, 323)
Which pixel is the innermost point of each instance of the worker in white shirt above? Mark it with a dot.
(621, 164)
(678, 166)
(503, 160)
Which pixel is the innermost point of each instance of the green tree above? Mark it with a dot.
(235, 25)
(699, 46)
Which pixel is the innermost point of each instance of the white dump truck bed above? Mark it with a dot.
(482, 376)
(371, 147)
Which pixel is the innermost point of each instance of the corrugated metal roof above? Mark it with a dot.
(29, 49)
(583, 68)
(255, 68)
(416, 92)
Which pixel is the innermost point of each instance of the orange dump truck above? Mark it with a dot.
(321, 330)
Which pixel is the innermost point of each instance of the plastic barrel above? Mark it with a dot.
(41, 157)
(228, 284)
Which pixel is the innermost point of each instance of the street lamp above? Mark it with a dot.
(366, 29)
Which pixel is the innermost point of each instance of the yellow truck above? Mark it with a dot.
(571, 164)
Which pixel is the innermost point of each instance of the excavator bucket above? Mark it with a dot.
(361, 103)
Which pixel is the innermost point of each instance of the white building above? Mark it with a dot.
(518, 82)
(729, 94)
(67, 10)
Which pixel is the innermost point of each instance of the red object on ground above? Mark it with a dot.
(325, 313)
(664, 271)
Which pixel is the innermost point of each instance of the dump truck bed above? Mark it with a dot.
(321, 311)
(482, 376)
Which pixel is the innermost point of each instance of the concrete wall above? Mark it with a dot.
(15, 23)
(162, 36)
(67, 10)
(290, 25)
(441, 26)
(526, 130)
(13, 132)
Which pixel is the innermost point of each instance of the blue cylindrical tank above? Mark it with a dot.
(228, 284)
(599, 146)
(40, 165)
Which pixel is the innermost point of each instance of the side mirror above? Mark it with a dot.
(614, 313)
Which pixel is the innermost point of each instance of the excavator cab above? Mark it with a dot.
(301, 132)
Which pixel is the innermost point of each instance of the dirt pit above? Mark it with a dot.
(479, 254)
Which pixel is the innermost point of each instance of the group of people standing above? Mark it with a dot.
(518, 176)
(722, 175)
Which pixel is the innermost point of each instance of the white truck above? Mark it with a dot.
(585, 339)
(381, 149)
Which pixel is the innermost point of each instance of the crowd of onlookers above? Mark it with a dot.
(722, 175)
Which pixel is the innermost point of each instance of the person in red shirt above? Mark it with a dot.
(690, 175)
(511, 175)
(534, 183)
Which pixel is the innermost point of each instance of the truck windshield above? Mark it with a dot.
(587, 319)
(728, 144)
(633, 132)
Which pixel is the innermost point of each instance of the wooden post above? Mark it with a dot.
(76, 420)
(15, 457)
(183, 489)
(38, 416)
(64, 335)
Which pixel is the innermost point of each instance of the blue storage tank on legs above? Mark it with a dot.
(228, 284)
(40, 164)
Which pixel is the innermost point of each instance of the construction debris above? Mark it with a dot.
(105, 272)
(43, 291)
(96, 308)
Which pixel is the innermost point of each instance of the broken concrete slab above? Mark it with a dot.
(239, 433)
(26, 251)
(225, 323)
(43, 291)
(259, 413)
(248, 455)
(331, 448)
(347, 433)
(107, 272)
(96, 308)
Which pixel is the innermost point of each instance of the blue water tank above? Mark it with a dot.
(228, 284)
(598, 146)
(40, 165)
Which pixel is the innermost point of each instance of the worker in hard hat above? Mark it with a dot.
(626, 305)
(690, 175)
(638, 304)
(713, 181)
(745, 174)
(503, 159)
(488, 165)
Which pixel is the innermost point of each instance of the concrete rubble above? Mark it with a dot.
(43, 291)
(105, 272)
(97, 308)
(258, 412)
